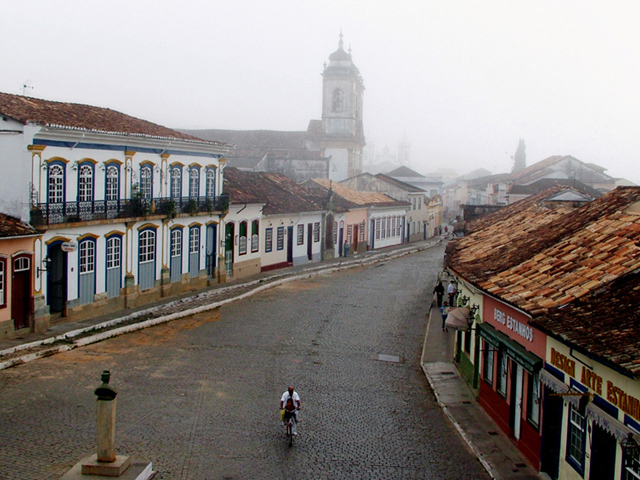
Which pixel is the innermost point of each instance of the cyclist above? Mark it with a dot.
(289, 412)
(291, 394)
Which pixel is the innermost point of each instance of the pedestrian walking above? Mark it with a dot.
(439, 291)
(451, 293)
(444, 311)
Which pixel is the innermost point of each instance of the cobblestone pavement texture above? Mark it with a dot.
(198, 396)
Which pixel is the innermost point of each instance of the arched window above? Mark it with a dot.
(113, 252)
(21, 264)
(194, 182)
(211, 182)
(176, 182)
(147, 250)
(146, 259)
(85, 183)
(112, 187)
(146, 181)
(242, 249)
(56, 184)
(176, 242)
(194, 239)
(255, 229)
(87, 256)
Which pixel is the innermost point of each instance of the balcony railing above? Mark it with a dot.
(67, 212)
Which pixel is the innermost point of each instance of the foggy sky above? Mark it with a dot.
(464, 80)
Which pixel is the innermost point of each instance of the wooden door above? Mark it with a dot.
(21, 291)
(57, 279)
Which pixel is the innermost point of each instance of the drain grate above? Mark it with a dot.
(388, 358)
(447, 373)
(493, 433)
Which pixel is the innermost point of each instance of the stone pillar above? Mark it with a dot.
(106, 462)
(106, 430)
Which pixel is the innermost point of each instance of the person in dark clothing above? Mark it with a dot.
(439, 291)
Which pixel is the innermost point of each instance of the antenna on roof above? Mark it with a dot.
(25, 86)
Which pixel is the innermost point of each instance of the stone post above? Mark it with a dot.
(106, 462)
(106, 419)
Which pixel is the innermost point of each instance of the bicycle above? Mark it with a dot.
(289, 424)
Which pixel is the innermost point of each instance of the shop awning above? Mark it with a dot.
(499, 340)
(457, 319)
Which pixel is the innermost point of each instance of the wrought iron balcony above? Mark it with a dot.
(68, 212)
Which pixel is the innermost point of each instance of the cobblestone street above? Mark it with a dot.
(199, 396)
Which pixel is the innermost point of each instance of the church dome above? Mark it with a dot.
(340, 55)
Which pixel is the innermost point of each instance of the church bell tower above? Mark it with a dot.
(343, 133)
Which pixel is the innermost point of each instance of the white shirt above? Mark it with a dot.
(451, 288)
(295, 397)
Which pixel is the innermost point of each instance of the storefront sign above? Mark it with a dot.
(522, 329)
(68, 247)
(625, 402)
(614, 395)
(563, 363)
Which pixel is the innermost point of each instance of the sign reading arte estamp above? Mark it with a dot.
(614, 395)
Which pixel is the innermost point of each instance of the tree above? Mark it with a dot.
(520, 158)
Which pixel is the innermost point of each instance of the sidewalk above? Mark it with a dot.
(496, 452)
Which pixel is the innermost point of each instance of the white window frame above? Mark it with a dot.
(176, 242)
(146, 181)
(176, 182)
(147, 246)
(194, 182)
(55, 192)
(112, 185)
(87, 256)
(114, 252)
(194, 240)
(85, 183)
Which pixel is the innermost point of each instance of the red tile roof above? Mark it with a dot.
(356, 197)
(84, 117)
(14, 227)
(280, 194)
(537, 255)
(605, 323)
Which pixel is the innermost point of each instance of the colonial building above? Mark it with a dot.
(129, 211)
(424, 214)
(273, 222)
(330, 148)
(16, 276)
(548, 324)
(374, 221)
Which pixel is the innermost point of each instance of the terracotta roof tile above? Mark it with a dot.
(357, 197)
(575, 250)
(604, 323)
(280, 194)
(14, 227)
(83, 117)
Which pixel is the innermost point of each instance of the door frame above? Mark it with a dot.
(21, 292)
(58, 262)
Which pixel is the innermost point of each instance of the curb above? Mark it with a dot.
(445, 409)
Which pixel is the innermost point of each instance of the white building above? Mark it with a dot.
(130, 211)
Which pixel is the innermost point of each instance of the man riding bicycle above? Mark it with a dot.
(290, 403)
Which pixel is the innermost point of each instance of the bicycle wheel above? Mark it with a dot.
(290, 431)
